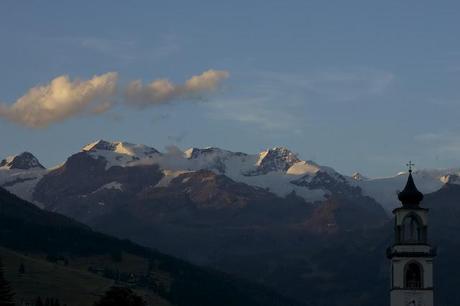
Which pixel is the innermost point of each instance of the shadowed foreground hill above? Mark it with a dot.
(73, 249)
(65, 283)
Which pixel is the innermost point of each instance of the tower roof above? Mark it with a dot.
(410, 196)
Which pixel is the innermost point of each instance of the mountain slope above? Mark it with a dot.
(26, 228)
(77, 187)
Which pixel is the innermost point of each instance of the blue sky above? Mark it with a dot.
(356, 85)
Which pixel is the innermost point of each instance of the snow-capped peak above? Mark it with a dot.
(281, 155)
(119, 147)
(118, 153)
(275, 159)
(194, 153)
(23, 161)
(358, 177)
(100, 145)
(450, 179)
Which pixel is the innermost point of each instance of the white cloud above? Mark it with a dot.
(61, 99)
(163, 91)
(64, 98)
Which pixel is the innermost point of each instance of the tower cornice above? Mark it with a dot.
(404, 208)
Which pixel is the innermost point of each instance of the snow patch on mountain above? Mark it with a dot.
(451, 179)
(6, 162)
(281, 184)
(21, 185)
(21, 182)
(110, 186)
(302, 168)
(168, 176)
(356, 176)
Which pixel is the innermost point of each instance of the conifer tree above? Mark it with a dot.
(6, 294)
(120, 296)
(22, 269)
(39, 302)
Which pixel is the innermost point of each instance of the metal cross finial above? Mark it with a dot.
(410, 164)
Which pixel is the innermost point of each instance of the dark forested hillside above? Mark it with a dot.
(27, 229)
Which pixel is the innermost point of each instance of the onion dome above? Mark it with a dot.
(410, 196)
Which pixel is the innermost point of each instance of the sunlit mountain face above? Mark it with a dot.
(277, 170)
(104, 173)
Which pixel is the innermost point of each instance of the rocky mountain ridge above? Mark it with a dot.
(278, 170)
(23, 161)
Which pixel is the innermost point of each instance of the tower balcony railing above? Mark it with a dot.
(392, 252)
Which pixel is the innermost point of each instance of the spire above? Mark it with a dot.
(410, 196)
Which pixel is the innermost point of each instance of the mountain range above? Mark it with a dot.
(270, 217)
(277, 170)
(100, 179)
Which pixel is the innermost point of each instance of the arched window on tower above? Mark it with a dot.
(412, 229)
(413, 276)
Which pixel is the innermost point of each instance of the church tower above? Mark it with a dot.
(411, 255)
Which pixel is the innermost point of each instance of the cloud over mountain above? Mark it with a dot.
(163, 91)
(61, 99)
(64, 98)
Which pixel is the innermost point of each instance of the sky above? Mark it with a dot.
(356, 85)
